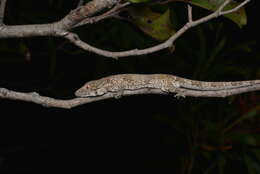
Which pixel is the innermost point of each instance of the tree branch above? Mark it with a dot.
(168, 43)
(236, 8)
(51, 102)
(21, 31)
(59, 28)
(84, 15)
(83, 12)
(189, 13)
(111, 13)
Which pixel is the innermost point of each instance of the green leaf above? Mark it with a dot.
(239, 17)
(154, 24)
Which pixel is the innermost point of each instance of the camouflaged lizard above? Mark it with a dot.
(117, 84)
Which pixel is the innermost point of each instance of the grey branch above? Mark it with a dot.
(111, 13)
(85, 15)
(189, 13)
(167, 44)
(59, 28)
(134, 84)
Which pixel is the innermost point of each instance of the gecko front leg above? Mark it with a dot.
(180, 94)
(174, 86)
(118, 94)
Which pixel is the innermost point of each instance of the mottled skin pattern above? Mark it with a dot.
(164, 82)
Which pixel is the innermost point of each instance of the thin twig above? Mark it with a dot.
(189, 13)
(85, 14)
(168, 43)
(59, 28)
(111, 13)
(236, 8)
(51, 102)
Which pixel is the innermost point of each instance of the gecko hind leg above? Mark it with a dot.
(118, 94)
(179, 93)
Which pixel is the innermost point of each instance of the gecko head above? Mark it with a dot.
(90, 90)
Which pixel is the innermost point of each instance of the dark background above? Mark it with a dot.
(116, 135)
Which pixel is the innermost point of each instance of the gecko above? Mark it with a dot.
(164, 82)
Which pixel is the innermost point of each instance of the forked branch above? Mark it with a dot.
(86, 15)
(119, 85)
(167, 44)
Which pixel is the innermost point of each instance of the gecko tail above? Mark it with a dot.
(214, 86)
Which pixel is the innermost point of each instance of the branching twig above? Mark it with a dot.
(59, 28)
(2, 11)
(111, 13)
(51, 102)
(168, 43)
(189, 13)
(236, 8)
(84, 15)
